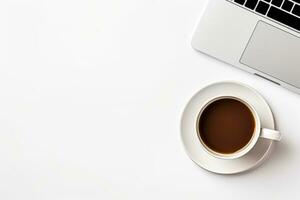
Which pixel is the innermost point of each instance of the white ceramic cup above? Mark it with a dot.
(258, 132)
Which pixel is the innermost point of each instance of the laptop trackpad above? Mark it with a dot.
(274, 52)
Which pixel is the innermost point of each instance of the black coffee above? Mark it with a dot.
(226, 125)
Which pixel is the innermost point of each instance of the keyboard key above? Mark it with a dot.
(262, 7)
(296, 10)
(240, 1)
(287, 5)
(251, 4)
(277, 2)
(284, 18)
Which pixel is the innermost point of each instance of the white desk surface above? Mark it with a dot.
(91, 94)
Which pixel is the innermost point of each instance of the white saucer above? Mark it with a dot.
(193, 146)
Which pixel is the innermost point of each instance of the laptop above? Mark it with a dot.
(259, 36)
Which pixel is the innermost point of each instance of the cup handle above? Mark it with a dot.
(270, 134)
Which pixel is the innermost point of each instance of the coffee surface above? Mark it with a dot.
(226, 125)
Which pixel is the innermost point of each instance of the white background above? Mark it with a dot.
(91, 93)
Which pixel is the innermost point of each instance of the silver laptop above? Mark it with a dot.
(259, 36)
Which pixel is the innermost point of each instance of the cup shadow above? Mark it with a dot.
(277, 160)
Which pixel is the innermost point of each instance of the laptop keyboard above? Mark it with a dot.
(284, 11)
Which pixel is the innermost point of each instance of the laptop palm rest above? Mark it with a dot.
(274, 52)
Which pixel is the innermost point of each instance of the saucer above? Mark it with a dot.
(193, 146)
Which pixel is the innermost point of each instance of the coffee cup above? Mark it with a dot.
(228, 127)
